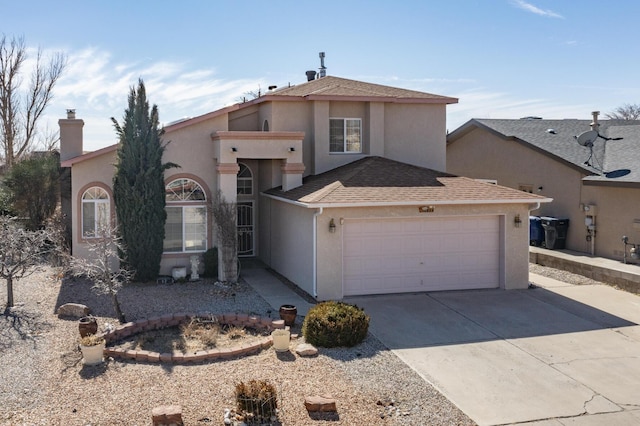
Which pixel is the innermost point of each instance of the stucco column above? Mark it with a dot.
(228, 180)
(291, 175)
(227, 185)
(375, 128)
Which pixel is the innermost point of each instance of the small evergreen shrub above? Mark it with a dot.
(332, 324)
(211, 263)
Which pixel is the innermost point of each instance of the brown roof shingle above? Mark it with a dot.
(331, 86)
(377, 180)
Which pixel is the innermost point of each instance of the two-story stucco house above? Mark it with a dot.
(340, 188)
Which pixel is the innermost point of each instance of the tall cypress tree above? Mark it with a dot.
(138, 186)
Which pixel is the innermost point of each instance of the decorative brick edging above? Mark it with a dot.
(171, 320)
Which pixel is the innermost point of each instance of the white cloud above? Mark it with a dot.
(97, 85)
(536, 10)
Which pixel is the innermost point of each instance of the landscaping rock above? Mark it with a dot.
(73, 310)
(167, 415)
(306, 349)
(320, 403)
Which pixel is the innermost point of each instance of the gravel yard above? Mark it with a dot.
(43, 382)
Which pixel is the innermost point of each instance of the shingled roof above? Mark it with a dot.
(336, 87)
(556, 138)
(379, 181)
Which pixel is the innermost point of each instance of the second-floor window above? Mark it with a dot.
(345, 135)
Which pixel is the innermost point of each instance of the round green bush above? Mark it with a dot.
(332, 324)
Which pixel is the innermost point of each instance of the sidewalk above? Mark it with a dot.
(274, 291)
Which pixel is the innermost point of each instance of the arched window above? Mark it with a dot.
(265, 126)
(245, 180)
(186, 225)
(95, 211)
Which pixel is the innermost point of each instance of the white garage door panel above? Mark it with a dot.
(407, 255)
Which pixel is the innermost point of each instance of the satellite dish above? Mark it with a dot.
(617, 173)
(587, 138)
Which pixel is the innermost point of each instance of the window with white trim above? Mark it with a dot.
(95, 211)
(345, 135)
(245, 180)
(186, 225)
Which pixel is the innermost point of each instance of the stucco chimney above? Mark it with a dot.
(595, 124)
(70, 136)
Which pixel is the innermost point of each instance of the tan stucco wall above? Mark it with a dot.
(616, 210)
(294, 251)
(195, 163)
(97, 171)
(482, 155)
(289, 249)
(245, 119)
(410, 133)
(416, 134)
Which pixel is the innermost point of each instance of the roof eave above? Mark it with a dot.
(408, 203)
(88, 156)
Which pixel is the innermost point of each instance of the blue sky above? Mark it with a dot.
(501, 58)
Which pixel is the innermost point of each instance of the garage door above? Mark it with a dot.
(409, 255)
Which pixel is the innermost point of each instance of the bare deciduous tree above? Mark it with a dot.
(102, 266)
(625, 112)
(21, 108)
(224, 216)
(21, 252)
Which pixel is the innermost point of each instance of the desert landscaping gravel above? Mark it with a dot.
(43, 381)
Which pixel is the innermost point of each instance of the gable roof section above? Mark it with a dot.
(377, 181)
(561, 144)
(328, 88)
(331, 87)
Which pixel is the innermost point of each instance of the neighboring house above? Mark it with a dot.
(544, 157)
(340, 188)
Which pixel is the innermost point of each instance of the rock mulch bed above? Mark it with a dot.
(171, 320)
(43, 382)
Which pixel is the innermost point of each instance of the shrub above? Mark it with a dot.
(92, 340)
(257, 401)
(332, 324)
(211, 263)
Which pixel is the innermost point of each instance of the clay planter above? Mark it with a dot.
(87, 326)
(288, 313)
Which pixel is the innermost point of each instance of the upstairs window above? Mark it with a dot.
(95, 212)
(345, 135)
(186, 226)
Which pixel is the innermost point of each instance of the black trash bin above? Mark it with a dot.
(536, 232)
(555, 232)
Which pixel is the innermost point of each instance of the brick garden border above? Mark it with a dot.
(172, 320)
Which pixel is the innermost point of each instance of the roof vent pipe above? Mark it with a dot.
(323, 69)
(311, 75)
(595, 124)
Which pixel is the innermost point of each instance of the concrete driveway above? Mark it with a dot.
(554, 355)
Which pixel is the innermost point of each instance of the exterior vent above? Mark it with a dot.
(311, 75)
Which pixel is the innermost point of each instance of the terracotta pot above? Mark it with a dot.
(288, 313)
(87, 326)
